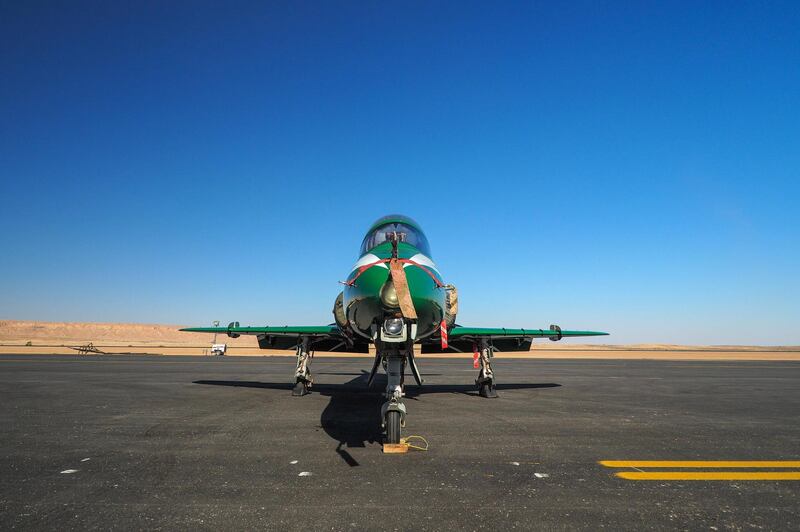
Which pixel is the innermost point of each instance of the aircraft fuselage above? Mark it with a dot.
(370, 298)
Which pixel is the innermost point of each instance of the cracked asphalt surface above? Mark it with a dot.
(164, 442)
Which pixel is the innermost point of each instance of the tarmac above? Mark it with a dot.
(159, 442)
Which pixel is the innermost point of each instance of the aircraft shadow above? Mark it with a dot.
(351, 373)
(352, 416)
(413, 390)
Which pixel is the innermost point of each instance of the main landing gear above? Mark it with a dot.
(302, 374)
(485, 380)
(394, 359)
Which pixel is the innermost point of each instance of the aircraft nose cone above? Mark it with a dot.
(389, 294)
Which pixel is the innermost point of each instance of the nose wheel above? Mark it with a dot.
(393, 427)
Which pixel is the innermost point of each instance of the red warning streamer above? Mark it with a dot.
(475, 356)
(443, 330)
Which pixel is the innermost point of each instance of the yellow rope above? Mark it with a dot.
(412, 446)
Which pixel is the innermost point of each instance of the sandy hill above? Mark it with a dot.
(19, 332)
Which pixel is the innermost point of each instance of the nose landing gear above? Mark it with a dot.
(393, 411)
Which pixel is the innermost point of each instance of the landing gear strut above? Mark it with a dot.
(302, 374)
(485, 380)
(393, 411)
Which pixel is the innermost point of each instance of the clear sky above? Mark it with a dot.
(622, 166)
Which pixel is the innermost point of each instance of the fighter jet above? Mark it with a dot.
(394, 297)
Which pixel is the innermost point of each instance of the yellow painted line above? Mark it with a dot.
(701, 463)
(709, 475)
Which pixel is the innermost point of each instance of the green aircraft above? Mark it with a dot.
(394, 298)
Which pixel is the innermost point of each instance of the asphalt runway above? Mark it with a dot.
(182, 442)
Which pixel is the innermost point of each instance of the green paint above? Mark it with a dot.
(532, 333)
(363, 297)
(287, 330)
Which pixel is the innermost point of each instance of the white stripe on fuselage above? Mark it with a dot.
(419, 258)
(369, 258)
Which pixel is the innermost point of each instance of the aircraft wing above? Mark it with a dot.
(322, 337)
(461, 339)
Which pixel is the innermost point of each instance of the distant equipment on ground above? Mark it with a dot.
(219, 349)
(88, 348)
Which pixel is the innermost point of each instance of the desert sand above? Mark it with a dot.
(40, 337)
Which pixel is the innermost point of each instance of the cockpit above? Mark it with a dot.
(396, 226)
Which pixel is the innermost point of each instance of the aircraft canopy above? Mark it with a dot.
(407, 229)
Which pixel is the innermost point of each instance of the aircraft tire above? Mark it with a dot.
(488, 391)
(300, 389)
(392, 427)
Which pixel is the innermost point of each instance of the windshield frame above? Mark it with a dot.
(413, 237)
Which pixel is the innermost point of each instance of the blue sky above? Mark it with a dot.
(630, 167)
